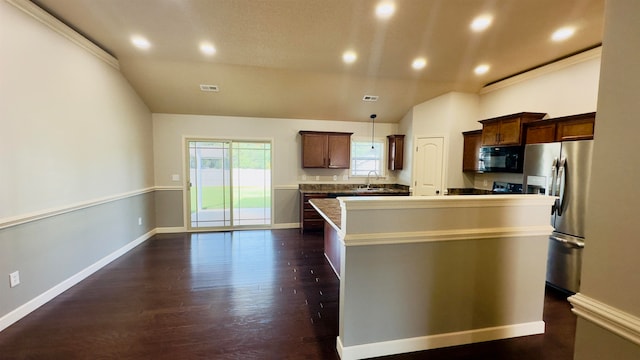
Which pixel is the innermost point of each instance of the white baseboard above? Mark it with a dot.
(45, 297)
(182, 229)
(421, 343)
(171, 230)
(286, 226)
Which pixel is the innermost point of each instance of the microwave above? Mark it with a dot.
(507, 159)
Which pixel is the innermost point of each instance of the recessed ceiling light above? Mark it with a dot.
(419, 63)
(349, 57)
(140, 42)
(481, 69)
(481, 23)
(563, 33)
(207, 48)
(385, 9)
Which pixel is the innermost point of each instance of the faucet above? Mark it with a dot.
(368, 180)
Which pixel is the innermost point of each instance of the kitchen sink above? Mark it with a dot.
(372, 190)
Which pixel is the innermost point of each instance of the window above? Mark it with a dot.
(364, 159)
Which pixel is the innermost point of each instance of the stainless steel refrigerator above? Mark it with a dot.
(562, 169)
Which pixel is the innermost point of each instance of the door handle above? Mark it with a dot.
(552, 184)
(562, 179)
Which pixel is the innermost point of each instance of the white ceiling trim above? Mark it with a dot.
(61, 28)
(555, 66)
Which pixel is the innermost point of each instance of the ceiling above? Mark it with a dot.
(283, 58)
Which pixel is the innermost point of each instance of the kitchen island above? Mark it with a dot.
(424, 272)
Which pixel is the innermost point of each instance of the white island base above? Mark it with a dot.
(419, 273)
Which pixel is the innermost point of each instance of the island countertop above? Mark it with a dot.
(329, 209)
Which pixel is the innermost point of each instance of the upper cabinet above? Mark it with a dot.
(540, 132)
(471, 151)
(507, 130)
(574, 127)
(395, 156)
(326, 149)
(577, 127)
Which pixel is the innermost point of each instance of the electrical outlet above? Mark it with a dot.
(335, 177)
(139, 221)
(175, 177)
(317, 178)
(14, 279)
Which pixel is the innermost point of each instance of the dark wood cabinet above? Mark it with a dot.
(540, 132)
(395, 156)
(471, 150)
(577, 127)
(574, 127)
(310, 220)
(326, 149)
(507, 130)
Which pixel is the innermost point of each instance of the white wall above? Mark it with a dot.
(610, 270)
(405, 126)
(72, 128)
(448, 116)
(169, 131)
(76, 163)
(565, 88)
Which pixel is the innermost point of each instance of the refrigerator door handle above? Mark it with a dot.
(573, 242)
(552, 183)
(562, 173)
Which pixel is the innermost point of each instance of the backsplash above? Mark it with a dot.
(485, 180)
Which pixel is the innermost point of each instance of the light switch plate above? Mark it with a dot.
(175, 177)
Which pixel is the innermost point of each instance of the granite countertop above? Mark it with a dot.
(353, 189)
(329, 209)
(468, 191)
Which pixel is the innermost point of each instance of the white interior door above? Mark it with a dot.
(428, 166)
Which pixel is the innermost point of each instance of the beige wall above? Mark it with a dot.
(610, 272)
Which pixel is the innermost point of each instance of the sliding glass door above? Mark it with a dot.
(230, 184)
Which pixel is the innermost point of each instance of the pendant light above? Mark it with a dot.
(373, 116)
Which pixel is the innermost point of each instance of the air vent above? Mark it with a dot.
(209, 88)
(370, 98)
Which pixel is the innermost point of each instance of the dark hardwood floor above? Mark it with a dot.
(230, 295)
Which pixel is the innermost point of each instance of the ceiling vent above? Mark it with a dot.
(213, 88)
(370, 98)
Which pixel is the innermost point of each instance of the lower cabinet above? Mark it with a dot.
(310, 220)
(332, 247)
